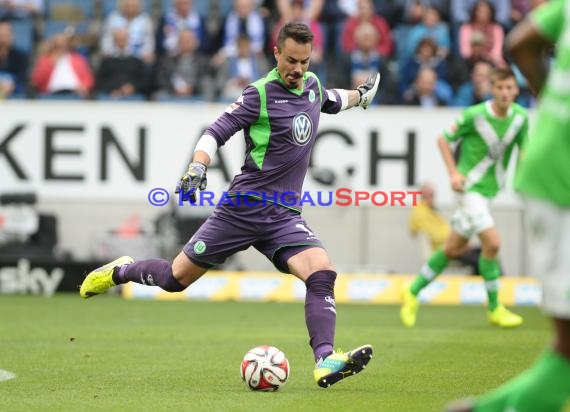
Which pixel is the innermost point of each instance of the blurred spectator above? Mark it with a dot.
(365, 59)
(181, 16)
(461, 11)
(298, 14)
(536, 3)
(482, 26)
(13, 65)
(430, 26)
(424, 92)
(60, 70)
(179, 74)
(121, 75)
(312, 9)
(21, 9)
(463, 67)
(425, 56)
(519, 9)
(432, 229)
(413, 10)
(478, 89)
(384, 44)
(426, 220)
(139, 25)
(243, 19)
(242, 69)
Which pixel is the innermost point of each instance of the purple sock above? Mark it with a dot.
(320, 312)
(152, 272)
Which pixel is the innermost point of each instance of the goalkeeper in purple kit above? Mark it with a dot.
(279, 115)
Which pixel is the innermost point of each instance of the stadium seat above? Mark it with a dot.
(69, 10)
(23, 31)
(59, 96)
(168, 98)
(165, 5)
(401, 33)
(104, 97)
(225, 6)
(204, 6)
(111, 5)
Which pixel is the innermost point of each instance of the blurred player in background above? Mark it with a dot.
(432, 229)
(488, 131)
(544, 179)
(280, 115)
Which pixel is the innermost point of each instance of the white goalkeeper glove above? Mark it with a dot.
(368, 89)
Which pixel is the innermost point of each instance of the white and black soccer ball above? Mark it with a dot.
(264, 368)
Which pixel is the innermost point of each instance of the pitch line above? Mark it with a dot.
(6, 375)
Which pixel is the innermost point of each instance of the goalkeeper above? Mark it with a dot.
(489, 131)
(279, 115)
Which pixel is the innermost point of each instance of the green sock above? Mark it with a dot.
(434, 266)
(543, 387)
(490, 272)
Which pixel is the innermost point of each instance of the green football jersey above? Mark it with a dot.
(545, 162)
(487, 142)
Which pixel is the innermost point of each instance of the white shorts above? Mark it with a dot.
(548, 228)
(473, 215)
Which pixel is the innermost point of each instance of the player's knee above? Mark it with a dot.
(452, 251)
(491, 248)
(185, 271)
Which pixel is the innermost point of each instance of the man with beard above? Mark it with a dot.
(279, 114)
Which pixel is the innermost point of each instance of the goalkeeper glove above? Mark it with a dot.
(193, 179)
(368, 90)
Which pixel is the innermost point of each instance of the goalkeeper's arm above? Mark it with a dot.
(363, 95)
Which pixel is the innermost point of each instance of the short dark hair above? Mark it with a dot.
(502, 73)
(297, 31)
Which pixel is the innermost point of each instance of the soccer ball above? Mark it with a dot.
(264, 368)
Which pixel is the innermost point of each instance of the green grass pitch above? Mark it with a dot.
(108, 354)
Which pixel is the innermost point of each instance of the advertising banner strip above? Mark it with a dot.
(116, 152)
(350, 288)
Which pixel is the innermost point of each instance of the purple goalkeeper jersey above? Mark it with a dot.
(280, 126)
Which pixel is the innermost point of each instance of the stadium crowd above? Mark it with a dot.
(429, 52)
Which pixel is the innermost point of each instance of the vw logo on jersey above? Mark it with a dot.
(302, 129)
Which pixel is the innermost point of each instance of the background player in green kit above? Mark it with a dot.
(488, 132)
(544, 179)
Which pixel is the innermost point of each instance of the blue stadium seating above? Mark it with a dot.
(23, 33)
(52, 27)
(203, 6)
(104, 97)
(59, 97)
(401, 34)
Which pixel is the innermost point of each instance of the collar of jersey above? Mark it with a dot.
(274, 74)
(489, 107)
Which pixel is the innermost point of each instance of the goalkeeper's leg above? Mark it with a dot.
(313, 267)
(171, 277)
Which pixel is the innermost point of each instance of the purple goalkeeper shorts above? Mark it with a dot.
(275, 231)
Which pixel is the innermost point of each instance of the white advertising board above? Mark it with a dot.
(118, 151)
